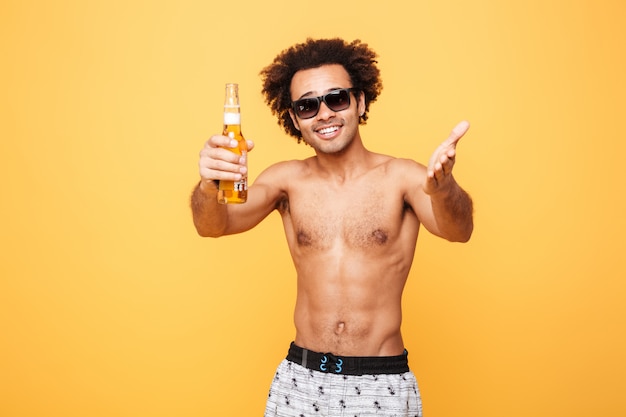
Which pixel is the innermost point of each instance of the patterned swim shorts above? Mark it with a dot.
(299, 391)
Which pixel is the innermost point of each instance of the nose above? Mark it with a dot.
(325, 112)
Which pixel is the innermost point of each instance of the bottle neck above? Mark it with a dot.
(232, 123)
(232, 116)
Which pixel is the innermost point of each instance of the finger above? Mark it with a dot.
(221, 170)
(210, 175)
(431, 182)
(230, 165)
(447, 162)
(435, 173)
(448, 147)
(440, 170)
(457, 133)
(209, 155)
(221, 141)
(221, 164)
(442, 159)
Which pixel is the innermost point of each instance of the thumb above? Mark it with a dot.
(457, 133)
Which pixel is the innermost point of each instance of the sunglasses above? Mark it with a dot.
(336, 100)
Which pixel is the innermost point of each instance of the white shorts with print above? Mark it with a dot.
(300, 392)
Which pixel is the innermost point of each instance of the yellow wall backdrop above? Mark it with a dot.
(111, 305)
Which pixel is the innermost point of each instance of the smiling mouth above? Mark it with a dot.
(328, 130)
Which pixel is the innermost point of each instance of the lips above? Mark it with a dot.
(327, 131)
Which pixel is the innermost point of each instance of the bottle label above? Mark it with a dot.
(232, 118)
(241, 185)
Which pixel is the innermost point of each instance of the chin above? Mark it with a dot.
(329, 147)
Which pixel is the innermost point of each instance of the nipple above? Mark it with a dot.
(340, 327)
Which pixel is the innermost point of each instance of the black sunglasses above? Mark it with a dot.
(336, 100)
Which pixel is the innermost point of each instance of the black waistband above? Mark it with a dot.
(348, 365)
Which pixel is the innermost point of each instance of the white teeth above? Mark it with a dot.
(328, 130)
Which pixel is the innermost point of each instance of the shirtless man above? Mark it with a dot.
(351, 218)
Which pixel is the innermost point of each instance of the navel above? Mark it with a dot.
(340, 327)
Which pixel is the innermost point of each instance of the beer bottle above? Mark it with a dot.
(233, 191)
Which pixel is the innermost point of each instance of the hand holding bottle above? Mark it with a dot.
(224, 157)
(217, 162)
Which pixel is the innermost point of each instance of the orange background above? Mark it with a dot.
(110, 305)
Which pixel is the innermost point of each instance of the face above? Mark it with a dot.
(328, 131)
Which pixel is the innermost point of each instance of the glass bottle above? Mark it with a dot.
(230, 192)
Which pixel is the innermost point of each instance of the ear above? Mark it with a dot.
(294, 119)
(361, 103)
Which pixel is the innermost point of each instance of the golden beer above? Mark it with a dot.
(230, 192)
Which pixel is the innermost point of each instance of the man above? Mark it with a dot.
(351, 218)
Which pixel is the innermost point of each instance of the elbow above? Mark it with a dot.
(464, 235)
(458, 234)
(465, 226)
(203, 233)
(209, 232)
(462, 239)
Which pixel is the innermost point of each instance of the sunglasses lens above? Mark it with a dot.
(335, 100)
(338, 100)
(307, 107)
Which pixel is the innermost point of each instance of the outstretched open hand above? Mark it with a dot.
(439, 172)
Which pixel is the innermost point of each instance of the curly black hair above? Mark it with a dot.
(358, 59)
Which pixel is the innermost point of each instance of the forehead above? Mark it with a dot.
(319, 80)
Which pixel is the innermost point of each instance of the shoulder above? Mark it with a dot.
(286, 169)
(405, 163)
(278, 178)
(278, 181)
(404, 167)
(407, 177)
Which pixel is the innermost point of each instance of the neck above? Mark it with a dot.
(345, 164)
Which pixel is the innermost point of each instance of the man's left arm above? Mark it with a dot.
(452, 208)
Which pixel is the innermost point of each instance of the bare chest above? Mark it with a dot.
(352, 218)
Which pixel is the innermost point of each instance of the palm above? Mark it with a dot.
(439, 172)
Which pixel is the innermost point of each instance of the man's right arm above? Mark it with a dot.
(209, 217)
(215, 163)
(212, 219)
